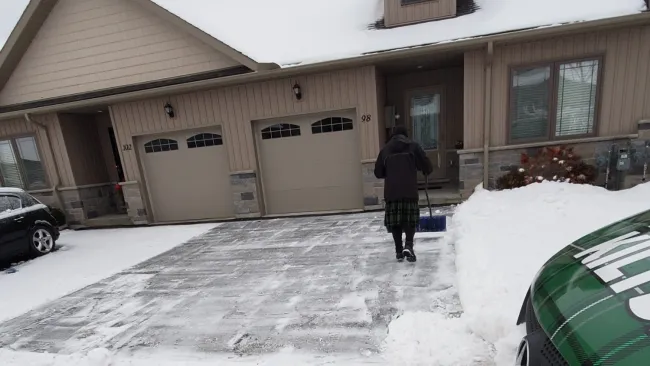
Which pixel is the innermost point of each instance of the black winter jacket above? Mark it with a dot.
(398, 163)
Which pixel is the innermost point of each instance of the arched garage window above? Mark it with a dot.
(203, 140)
(280, 130)
(160, 145)
(331, 124)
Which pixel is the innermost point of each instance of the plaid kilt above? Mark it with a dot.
(404, 213)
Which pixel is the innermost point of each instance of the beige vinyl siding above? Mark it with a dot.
(20, 127)
(474, 99)
(84, 149)
(625, 90)
(451, 79)
(381, 103)
(396, 14)
(235, 107)
(87, 45)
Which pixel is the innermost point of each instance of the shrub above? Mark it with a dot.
(58, 215)
(557, 164)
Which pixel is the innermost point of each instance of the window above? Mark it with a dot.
(554, 101)
(280, 130)
(203, 140)
(331, 124)
(20, 164)
(9, 203)
(160, 145)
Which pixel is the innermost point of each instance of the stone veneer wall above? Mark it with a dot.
(88, 202)
(246, 198)
(135, 206)
(594, 153)
(46, 197)
(373, 188)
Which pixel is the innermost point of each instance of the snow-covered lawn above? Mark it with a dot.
(83, 258)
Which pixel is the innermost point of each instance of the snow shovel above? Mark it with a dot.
(431, 223)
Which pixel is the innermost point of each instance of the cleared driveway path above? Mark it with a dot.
(321, 285)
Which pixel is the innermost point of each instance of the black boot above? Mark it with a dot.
(397, 238)
(409, 253)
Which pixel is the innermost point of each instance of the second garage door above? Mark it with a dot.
(188, 175)
(310, 164)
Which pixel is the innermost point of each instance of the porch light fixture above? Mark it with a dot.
(297, 91)
(169, 110)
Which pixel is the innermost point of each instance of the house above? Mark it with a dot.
(202, 109)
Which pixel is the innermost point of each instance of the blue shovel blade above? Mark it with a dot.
(432, 224)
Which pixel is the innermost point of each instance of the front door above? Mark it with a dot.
(426, 121)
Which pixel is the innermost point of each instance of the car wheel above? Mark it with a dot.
(532, 324)
(41, 241)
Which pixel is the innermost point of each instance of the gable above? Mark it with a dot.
(90, 45)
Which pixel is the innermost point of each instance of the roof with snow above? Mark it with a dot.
(292, 32)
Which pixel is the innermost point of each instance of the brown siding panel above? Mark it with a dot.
(20, 127)
(88, 45)
(625, 95)
(396, 14)
(83, 145)
(235, 107)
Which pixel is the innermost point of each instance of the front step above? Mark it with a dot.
(440, 197)
(108, 221)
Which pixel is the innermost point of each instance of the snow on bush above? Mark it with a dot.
(502, 239)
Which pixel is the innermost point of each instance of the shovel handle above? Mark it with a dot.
(426, 193)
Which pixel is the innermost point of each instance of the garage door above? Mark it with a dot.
(188, 175)
(310, 164)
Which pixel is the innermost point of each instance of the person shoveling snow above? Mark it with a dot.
(398, 164)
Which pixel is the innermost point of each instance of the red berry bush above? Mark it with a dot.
(556, 164)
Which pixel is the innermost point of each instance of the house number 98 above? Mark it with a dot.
(366, 118)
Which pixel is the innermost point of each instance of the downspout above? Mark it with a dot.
(488, 113)
(57, 177)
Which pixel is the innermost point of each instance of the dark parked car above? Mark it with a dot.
(26, 226)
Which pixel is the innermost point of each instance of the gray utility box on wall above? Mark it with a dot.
(623, 161)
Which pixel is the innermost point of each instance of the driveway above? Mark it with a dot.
(322, 285)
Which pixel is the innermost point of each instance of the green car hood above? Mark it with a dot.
(593, 297)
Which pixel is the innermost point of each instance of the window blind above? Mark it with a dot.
(529, 103)
(9, 169)
(576, 104)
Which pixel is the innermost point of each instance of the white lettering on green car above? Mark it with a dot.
(611, 264)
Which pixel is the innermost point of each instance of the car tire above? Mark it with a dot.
(41, 241)
(532, 324)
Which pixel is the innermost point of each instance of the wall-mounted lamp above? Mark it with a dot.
(169, 110)
(297, 91)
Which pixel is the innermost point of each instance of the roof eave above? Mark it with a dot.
(262, 75)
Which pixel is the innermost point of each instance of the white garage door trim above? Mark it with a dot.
(185, 140)
(305, 122)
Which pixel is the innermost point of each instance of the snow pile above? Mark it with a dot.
(503, 238)
(422, 338)
(84, 258)
(307, 31)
